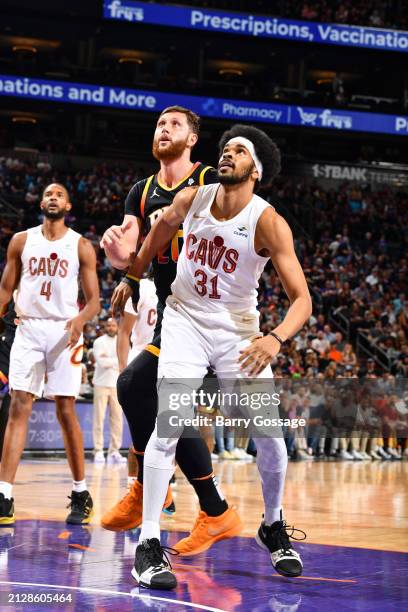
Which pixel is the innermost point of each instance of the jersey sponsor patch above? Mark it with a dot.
(241, 231)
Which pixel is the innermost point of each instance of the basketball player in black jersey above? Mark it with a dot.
(175, 135)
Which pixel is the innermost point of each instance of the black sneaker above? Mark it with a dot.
(275, 539)
(6, 511)
(152, 567)
(81, 508)
(170, 510)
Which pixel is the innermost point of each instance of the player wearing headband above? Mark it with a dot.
(211, 319)
(175, 136)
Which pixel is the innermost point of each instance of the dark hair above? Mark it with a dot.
(265, 148)
(193, 119)
(59, 185)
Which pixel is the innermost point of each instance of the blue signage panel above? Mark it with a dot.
(234, 110)
(44, 431)
(214, 20)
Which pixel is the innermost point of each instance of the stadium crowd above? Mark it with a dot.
(352, 243)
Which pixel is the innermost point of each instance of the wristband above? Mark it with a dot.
(272, 333)
(132, 281)
(134, 278)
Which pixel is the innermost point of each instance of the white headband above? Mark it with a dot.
(249, 145)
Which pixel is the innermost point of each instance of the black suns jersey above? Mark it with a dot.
(147, 199)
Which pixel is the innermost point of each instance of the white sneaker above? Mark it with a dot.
(356, 455)
(116, 457)
(214, 457)
(383, 455)
(99, 457)
(365, 455)
(303, 455)
(346, 456)
(394, 453)
(226, 455)
(244, 455)
(374, 455)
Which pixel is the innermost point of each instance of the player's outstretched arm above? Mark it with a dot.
(159, 236)
(163, 230)
(90, 287)
(273, 237)
(12, 270)
(120, 241)
(276, 237)
(126, 323)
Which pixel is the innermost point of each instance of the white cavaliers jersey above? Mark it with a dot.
(49, 277)
(142, 332)
(218, 268)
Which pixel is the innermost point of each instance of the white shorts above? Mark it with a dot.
(40, 359)
(133, 353)
(193, 340)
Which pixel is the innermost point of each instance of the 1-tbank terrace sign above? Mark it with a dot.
(256, 25)
(153, 101)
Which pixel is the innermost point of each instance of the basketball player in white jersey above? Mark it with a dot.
(44, 264)
(136, 328)
(211, 319)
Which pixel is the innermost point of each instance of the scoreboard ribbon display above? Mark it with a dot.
(235, 110)
(256, 26)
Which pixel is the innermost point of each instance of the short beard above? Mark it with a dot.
(54, 216)
(175, 150)
(233, 179)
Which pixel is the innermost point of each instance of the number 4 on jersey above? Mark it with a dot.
(46, 290)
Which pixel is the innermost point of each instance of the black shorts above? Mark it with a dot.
(6, 340)
(156, 342)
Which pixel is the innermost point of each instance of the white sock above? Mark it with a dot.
(79, 485)
(272, 462)
(6, 488)
(150, 529)
(272, 515)
(155, 485)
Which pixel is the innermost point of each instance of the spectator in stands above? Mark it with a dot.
(349, 357)
(321, 344)
(104, 380)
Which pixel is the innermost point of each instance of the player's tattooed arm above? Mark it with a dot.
(273, 237)
(159, 236)
(90, 288)
(12, 270)
(120, 241)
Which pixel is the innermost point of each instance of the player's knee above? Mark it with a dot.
(160, 452)
(65, 410)
(21, 405)
(272, 455)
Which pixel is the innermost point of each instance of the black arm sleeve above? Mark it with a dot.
(132, 202)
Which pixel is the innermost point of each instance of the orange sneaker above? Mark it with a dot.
(209, 529)
(127, 514)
